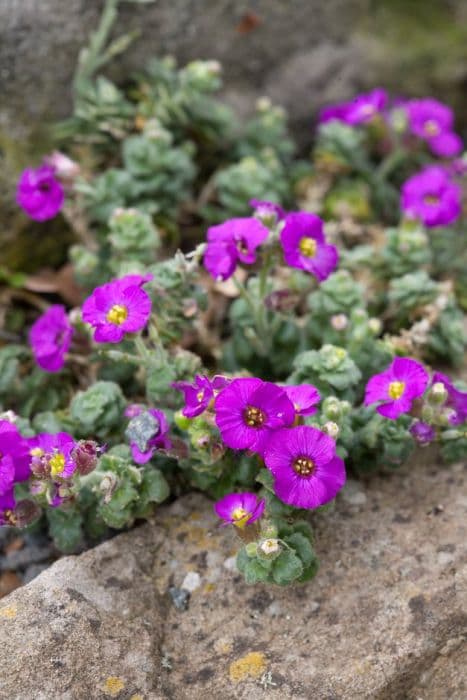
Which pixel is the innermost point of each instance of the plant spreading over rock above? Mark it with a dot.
(294, 339)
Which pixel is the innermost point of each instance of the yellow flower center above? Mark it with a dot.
(200, 396)
(118, 314)
(396, 389)
(303, 466)
(307, 247)
(431, 128)
(57, 464)
(431, 199)
(240, 517)
(254, 417)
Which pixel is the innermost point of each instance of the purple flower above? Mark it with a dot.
(307, 472)
(248, 409)
(422, 432)
(52, 456)
(305, 246)
(118, 307)
(50, 338)
(234, 240)
(199, 394)
(331, 113)
(39, 193)
(240, 509)
(147, 432)
(446, 145)
(432, 121)
(268, 212)
(432, 197)
(457, 400)
(364, 108)
(402, 382)
(14, 456)
(304, 398)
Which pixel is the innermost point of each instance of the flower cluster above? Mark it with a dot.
(302, 240)
(49, 462)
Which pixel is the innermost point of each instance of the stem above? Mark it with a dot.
(90, 59)
(390, 163)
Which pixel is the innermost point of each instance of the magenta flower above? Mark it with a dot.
(52, 456)
(143, 449)
(307, 472)
(247, 410)
(457, 400)
(233, 241)
(422, 432)
(433, 121)
(267, 212)
(432, 197)
(304, 397)
(50, 338)
(14, 456)
(199, 394)
(39, 193)
(305, 246)
(396, 388)
(366, 107)
(331, 113)
(240, 509)
(118, 307)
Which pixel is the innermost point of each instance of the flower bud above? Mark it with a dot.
(437, 394)
(339, 322)
(268, 529)
(182, 421)
(26, 511)
(269, 549)
(108, 485)
(332, 429)
(251, 548)
(375, 326)
(332, 408)
(85, 455)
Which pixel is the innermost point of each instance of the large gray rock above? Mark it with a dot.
(385, 619)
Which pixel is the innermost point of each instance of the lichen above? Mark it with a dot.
(252, 665)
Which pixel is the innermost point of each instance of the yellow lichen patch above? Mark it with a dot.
(252, 665)
(9, 613)
(113, 685)
(137, 697)
(195, 516)
(209, 588)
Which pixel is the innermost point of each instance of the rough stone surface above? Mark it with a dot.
(385, 619)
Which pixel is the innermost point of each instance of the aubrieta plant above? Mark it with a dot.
(295, 339)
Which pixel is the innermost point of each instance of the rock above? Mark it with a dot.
(385, 619)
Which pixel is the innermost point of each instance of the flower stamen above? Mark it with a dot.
(307, 247)
(396, 389)
(118, 314)
(254, 417)
(303, 466)
(57, 464)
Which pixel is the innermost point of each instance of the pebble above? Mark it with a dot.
(191, 582)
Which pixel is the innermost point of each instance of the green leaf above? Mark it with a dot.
(65, 527)
(286, 568)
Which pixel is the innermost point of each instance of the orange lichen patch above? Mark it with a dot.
(252, 665)
(9, 613)
(113, 685)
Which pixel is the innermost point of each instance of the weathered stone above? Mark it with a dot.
(385, 619)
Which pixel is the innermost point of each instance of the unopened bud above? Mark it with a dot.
(270, 547)
(375, 326)
(25, 513)
(437, 394)
(332, 429)
(10, 416)
(339, 322)
(65, 168)
(182, 421)
(108, 485)
(250, 549)
(86, 455)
